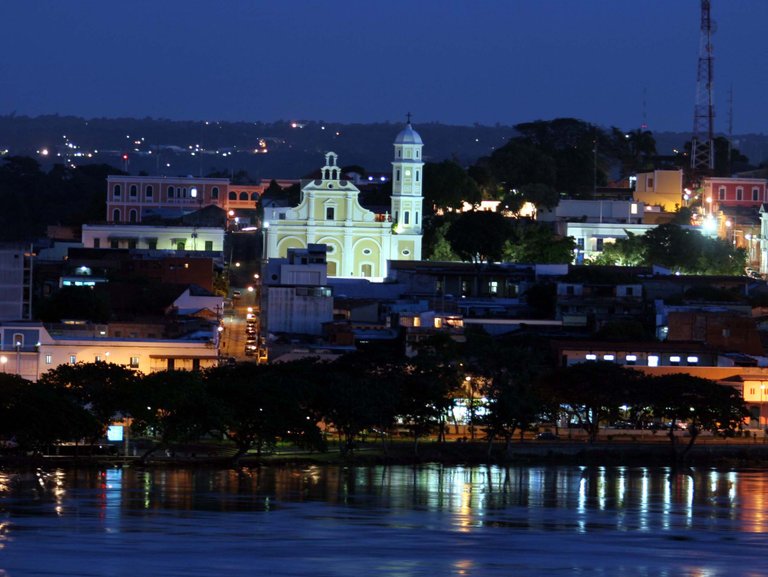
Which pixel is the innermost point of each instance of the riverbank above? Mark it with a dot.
(727, 453)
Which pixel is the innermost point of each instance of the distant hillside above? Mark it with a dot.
(286, 149)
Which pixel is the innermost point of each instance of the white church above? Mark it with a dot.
(359, 242)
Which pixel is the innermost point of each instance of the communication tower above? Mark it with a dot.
(702, 141)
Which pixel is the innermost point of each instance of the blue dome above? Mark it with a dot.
(408, 136)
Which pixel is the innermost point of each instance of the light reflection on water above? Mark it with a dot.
(430, 520)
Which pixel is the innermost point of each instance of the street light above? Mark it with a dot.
(3, 361)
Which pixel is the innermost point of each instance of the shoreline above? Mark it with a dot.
(564, 453)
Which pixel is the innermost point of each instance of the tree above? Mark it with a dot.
(435, 244)
(357, 392)
(103, 389)
(254, 406)
(702, 403)
(630, 251)
(170, 406)
(533, 242)
(592, 392)
(479, 236)
(447, 185)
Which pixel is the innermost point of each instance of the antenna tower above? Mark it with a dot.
(702, 141)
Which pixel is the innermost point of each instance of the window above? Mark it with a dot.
(134, 362)
(72, 359)
(406, 217)
(152, 244)
(243, 196)
(416, 218)
(18, 340)
(366, 270)
(96, 243)
(171, 192)
(215, 193)
(739, 193)
(149, 191)
(406, 252)
(182, 192)
(329, 213)
(180, 245)
(366, 251)
(232, 196)
(399, 153)
(631, 359)
(114, 244)
(591, 357)
(609, 357)
(417, 154)
(493, 287)
(133, 191)
(132, 216)
(692, 360)
(721, 193)
(674, 360)
(132, 243)
(397, 178)
(755, 194)
(116, 215)
(116, 191)
(254, 196)
(653, 360)
(48, 359)
(649, 183)
(599, 245)
(208, 245)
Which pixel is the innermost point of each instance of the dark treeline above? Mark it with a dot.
(507, 387)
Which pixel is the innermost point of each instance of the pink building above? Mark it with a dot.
(735, 192)
(134, 198)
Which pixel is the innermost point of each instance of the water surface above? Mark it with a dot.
(374, 521)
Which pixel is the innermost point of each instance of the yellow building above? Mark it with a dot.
(360, 242)
(662, 188)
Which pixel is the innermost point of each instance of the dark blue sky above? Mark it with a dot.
(457, 62)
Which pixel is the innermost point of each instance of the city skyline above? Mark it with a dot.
(614, 63)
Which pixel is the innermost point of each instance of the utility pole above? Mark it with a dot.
(702, 141)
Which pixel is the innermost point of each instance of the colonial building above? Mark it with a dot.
(359, 241)
(136, 198)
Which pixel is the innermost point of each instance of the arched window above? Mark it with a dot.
(170, 192)
(416, 217)
(134, 190)
(233, 196)
(149, 191)
(215, 193)
(243, 196)
(133, 215)
(116, 215)
(254, 196)
(417, 176)
(116, 191)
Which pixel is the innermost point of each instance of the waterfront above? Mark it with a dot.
(429, 520)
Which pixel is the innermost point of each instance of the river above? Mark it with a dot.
(374, 521)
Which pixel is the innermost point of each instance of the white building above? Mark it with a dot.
(139, 236)
(359, 241)
(29, 350)
(295, 296)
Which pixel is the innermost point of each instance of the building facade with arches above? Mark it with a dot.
(359, 242)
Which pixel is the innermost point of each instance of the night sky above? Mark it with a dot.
(457, 62)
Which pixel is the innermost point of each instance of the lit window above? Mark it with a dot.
(608, 357)
(633, 208)
(591, 357)
(632, 357)
(692, 359)
(653, 360)
(72, 359)
(674, 360)
(134, 362)
(48, 359)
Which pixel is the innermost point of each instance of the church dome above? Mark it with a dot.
(408, 136)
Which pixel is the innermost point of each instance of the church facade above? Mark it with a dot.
(359, 242)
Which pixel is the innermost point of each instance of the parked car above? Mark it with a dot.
(547, 436)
